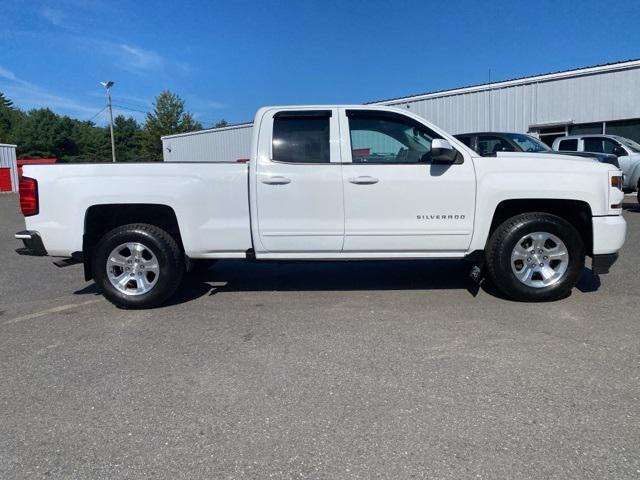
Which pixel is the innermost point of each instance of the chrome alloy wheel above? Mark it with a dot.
(539, 259)
(132, 268)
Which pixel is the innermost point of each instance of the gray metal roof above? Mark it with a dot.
(574, 72)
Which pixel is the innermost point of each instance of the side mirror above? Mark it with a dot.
(619, 151)
(442, 151)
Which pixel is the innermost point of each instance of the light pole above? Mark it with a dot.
(108, 85)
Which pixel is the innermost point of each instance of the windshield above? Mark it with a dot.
(527, 143)
(633, 146)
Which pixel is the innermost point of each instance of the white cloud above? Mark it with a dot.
(28, 95)
(8, 74)
(126, 55)
(55, 16)
(137, 58)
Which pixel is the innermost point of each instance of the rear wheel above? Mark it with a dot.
(137, 266)
(535, 257)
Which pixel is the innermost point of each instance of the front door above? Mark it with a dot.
(299, 182)
(396, 200)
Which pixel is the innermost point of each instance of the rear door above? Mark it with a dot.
(395, 199)
(300, 206)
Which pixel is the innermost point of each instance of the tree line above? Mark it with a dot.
(41, 133)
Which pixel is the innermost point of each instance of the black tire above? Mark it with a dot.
(504, 239)
(170, 260)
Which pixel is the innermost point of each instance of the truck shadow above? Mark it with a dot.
(631, 207)
(240, 276)
(283, 276)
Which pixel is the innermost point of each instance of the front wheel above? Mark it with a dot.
(137, 266)
(535, 257)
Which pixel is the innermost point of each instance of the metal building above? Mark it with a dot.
(213, 145)
(8, 168)
(597, 99)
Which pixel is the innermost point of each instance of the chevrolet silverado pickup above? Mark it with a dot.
(330, 183)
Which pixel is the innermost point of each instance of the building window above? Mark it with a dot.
(585, 128)
(549, 134)
(625, 128)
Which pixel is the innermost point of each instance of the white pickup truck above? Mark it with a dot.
(330, 183)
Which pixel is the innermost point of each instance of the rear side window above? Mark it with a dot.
(301, 139)
(568, 145)
(464, 139)
(489, 145)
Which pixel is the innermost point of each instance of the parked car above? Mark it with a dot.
(489, 143)
(627, 151)
(329, 183)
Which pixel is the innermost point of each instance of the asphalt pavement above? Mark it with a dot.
(319, 370)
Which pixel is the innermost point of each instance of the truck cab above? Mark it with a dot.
(358, 182)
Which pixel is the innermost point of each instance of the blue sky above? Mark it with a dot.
(228, 58)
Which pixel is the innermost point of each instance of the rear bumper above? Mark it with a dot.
(33, 245)
(609, 233)
(601, 264)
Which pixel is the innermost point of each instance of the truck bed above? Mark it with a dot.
(210, 201)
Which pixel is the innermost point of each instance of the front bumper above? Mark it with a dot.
(609, 233)
(33, 245)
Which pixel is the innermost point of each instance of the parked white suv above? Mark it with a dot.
(333, 182)
(627, 151)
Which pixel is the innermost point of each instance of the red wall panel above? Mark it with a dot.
(5, 180)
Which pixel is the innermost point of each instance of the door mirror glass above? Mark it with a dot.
(442, 151)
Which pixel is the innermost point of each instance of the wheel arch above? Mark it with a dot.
(100, 219)
(577, 212)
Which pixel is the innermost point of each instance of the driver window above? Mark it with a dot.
(610, 145)
(388, 139)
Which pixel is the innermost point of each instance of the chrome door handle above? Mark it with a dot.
(363, 180)
(276, 180)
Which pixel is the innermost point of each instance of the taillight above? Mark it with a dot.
(28, 196)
